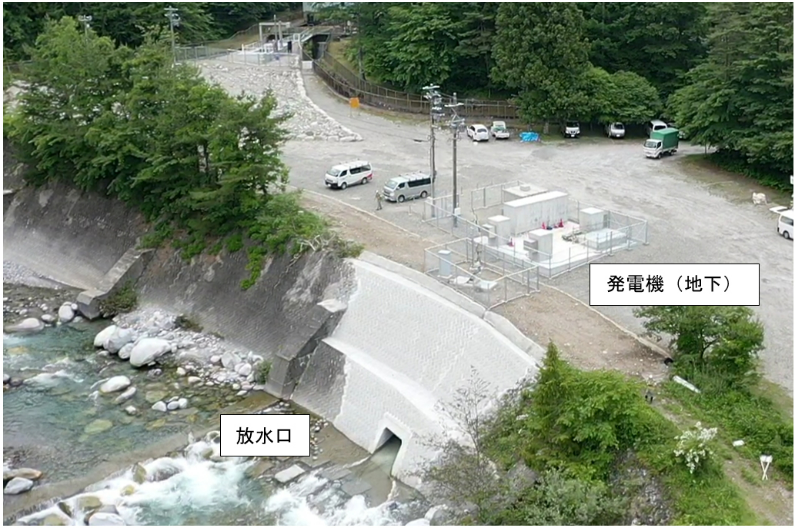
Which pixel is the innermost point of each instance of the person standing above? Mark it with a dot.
(379, 198)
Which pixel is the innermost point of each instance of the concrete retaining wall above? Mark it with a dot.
(72, 237)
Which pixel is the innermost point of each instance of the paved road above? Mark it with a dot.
(693, 215)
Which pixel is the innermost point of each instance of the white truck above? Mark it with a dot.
(499, 130)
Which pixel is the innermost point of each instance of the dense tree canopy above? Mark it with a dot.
(126, 22)
(129, 123)
(659, 41)
(539, 51)
(724, 69)
(741, 98)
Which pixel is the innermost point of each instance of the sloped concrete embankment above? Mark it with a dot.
(72, 237)
(401, 352)
(89, 241)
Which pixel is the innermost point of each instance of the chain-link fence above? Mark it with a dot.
(470, 267)
(555, 251)
(490, 196)
(348, 84)
(249, 57)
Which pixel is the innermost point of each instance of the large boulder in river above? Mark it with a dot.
(147, 350)
(118, 339)
(124, 353)
(18, 485)
(28, 325)
(66, 313)
(115, 384)
(102, 336)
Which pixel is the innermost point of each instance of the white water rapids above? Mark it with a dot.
(197, 488)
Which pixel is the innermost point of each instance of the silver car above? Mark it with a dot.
(615, 130)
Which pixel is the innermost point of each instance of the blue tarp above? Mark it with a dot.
(529, 136)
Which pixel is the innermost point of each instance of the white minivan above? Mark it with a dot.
(655, 125)
(785, 221)
(344, 175)
(413, 186)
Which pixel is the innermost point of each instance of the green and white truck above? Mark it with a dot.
(662, 142)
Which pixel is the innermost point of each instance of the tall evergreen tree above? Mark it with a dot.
(540, 52)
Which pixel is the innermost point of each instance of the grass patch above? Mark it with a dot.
(339, 50)
(122, 301)
(747, 416)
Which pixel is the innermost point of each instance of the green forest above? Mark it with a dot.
(722, 71)
(126, 22)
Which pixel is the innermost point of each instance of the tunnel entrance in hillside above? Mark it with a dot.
(386, 452)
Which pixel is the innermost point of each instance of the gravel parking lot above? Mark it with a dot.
(695, 216)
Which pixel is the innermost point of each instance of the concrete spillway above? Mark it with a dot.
(396, 360)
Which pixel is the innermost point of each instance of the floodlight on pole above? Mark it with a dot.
(431, 93)
(85, 20)
(174, 21)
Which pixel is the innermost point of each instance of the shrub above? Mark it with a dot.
(263, 371)
(585, 418)
(122, 301)
(693, 447)
(187, 323)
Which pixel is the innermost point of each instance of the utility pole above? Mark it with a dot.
(85, 19)
(174, 20)
(435, 113)
(455, 125)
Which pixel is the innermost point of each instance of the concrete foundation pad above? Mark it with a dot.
(355, 487)
(289, 474)
(335, 473)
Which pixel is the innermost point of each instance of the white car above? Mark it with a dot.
(615, 130)
(499, 130)
(478, 132)
(348, 174)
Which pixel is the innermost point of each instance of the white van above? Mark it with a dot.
(655, 125)
(344, 175)
(411, 186)
(785, 221)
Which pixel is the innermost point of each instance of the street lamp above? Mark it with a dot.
(174, 20)
(85, 19)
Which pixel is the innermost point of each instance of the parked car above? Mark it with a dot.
(343, 175)
(615, 130)
(499, 130)
(570, 129)
(785, 221)
(654, 125)
(412, 186)
(478, 132)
